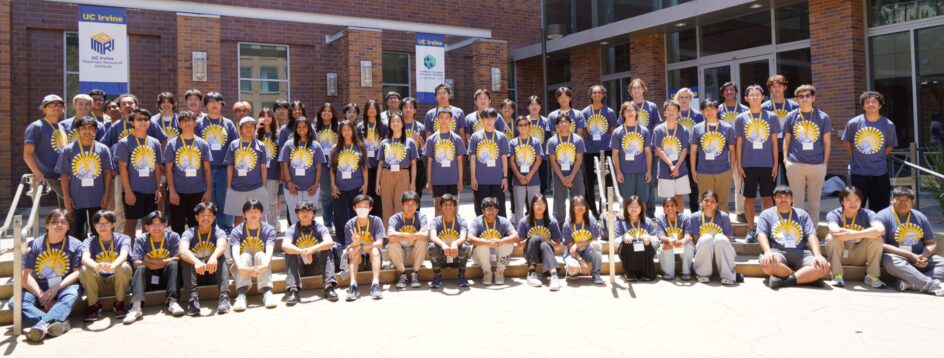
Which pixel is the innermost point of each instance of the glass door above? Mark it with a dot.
(712, 78)
(744, 72)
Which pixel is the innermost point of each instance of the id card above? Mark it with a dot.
(395, 168)
(639, 246)
(445, 163)
(242, 172)
(673, 157)
(190, 173)
(709, 156)
(144, 172)
(524, 169)
(299, 172)
(345, 175)
(630, 157)
(88, 183)
(790, 244)
(216, 146)
(490, 163)
(54, 281)
(807, 146)
(565, 167)
(679, 250)
(370, 154)
(757, 145)
(597, 137)
(155, 280)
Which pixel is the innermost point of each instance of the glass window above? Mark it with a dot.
(681, 45)
(263, 74)
(512, 83)
(742, 32)
(887, 12)
(558, 69)
(930, 51)
(891, 76)
(396, 73)
(71, 71)
(793, 22)
(617, 92)
(685, 77)
(795, 66)
(559, 12)
(615, 59)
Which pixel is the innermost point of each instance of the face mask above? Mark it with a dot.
(362, 212)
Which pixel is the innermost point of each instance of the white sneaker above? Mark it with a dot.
(486, 278)
(534, 280)
(134, 314)
(499, 278)
(939, 291)
(555, 283)
(175, 309)
(270, 300)
(415, 281)
(239, 304)
(904, 285)
(404, 279)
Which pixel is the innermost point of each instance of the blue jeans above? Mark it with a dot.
(33, 312)
(591, 254)
(224, 221)
(327, 200)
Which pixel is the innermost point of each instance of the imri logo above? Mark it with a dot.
(429, 62)
(102, 43)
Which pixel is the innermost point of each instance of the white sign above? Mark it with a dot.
(430, 66)
(332, 80)
(496, 79)
(199, 62)
(367, 75)
(103, 49)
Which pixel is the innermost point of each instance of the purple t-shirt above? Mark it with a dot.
(393, 152)
(370, 233)
(100, 251)
(862, 220)
(600, 123)
(786, 230)
(525, 154)
(664, 227)
(758, 142)
(586, 232)
(672, 142)
(48, 140)
(648, 115)
(121, 129)
(431, 123)
(414, 225)
(414, 129)
(714, 142)
(807, 132)
(780, 110)
(578, 120)
(218, 133)
(273, 150)
(540, 129)
(730, 114)
(327, 138)
(56, 262)
(72, 133)
(85, 167)
(545, 228)
(444, 149)
(631, 143)
(690, 118)
(698, 224)
(304, 237)
(252, 240)
(188, 157)
(623, 227)
(869, 141)
(202, 245)
(303, 162)
(142, 157)
(913, 229)
(247, 160)
(145, 247)
(496, 230)
(372, 135)
(349, 174)
(565, 151)
(489, 149)
(170, 129)
(473, 124)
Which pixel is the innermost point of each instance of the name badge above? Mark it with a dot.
(216, 146)
(597, 137)
(790, 244)
(845, 253)
(630, 157)
(88, 183)
(565, 167)
(709, 156)
(299, 172)
(490, 163)
(190, 173)
(638, 246)
(445, 163)
(807, 146)
(144, 172)
(450, 259)
(395, 168)
(54, 281)
(370, 154)
(155, 280)
(345, 175)
(906, 247)
(242, 172)
(679, 250)
(524, 169)
(758, 145)
(673, 157)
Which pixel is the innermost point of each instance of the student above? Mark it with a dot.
(488, 161)
(393, 100)
(869, 138)
(123, 124)
(649, 117)
(351, 112)
(601, 120)
(408, 239)
(712, 153)
(542, 235)
(219, 132)
(189, 177)
(139, 156)
(756, 156)
(99, 107)
(910, 248)
(267, 135)
(855, 238)
(253, 243)
(363, 239)
(105, 266)
(541, 130)
(582, 240)
(166, 120)
(711, 231)
(494, 238)
(414, 129)
(43, 140)
(246, 162)
(688, 118)
(50, 273)
(154, 256)
(444, 153)
(194, 100)
(326, 131)
(565, 151)
(85, 169)
(397, 165)
(780, 106)
(807, 144)
(731, 108)
(632, 148)
(638, 241)
(203, 259)
(293, 112)
(473, 121)
(301, 159)
(671, 147)
(82, 106)
(527, 155)
(242, 109)
(348, 173)
(564, 97)
(307, 248)
(791, 249)
(506, 111)
(669, 229)
(456, 123)
(448, 246)
(372, 131)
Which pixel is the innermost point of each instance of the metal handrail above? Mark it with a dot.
(16, 201)
(37, 192)
(618, 196)
(600, 166)
(17, 276)
(918, 167)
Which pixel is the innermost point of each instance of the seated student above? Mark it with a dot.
(669, 229)
(582, 238)
(253, 243)
(910, 246)
(408, 231)
(154, 256)
(307, 248)
(855, 238)
(448, 246)
(364, 235)
(543, 235)
(203, 259)
(711, 230)
(494, 238)
(791, 249)
(105, 264)
(50, 272)
(637, 240)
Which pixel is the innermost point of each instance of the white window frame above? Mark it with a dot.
(288, 69)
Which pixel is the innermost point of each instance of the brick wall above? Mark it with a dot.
(529, 81)
(7, 154)
(647, 51)
(198, 33)
(585, 71)
(485, 56)
(360, 45)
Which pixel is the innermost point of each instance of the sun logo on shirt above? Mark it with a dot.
(477, 125)
(853, 226)
(566, 154)
(86, 165)
(394, 153)
(204, 249)
(59, 140)
(449, 236)
(51, 263)
(596, 125)
(757, 130)
(171, 133)
(581, 236)
(643, 117)
(632, 143)
(908, 234)
(729, 116)
(674, 232)
(444, 150)
(509, 132)
(869, 140)
(781, 113)
(372, 140)
(710, 229)
(143, 157)
(215, 135)
(487, 151)
(366, 238)
(306, 240)
(537, 132)
(251, 245)
(188, 157)
(408, 229)
(712, 143)
(269, 145)
(159, 253)
(245, 158)
(672, 146)
(348, 160)
(806, 132)
(327, 138)
(637, 233)
(491, 234)
(72, 136)
(125, 133)
(786, 231)
(687, 122)
(106, 257)
(539, 232)
(301, 158)
(524, 155)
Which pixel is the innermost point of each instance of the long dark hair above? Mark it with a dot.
(273, 129)
(586, 214)
(390, 118)
(379, 126)
(312, 137)
(371, 103)
(642, 213)
(531, 219)
(291, 117)
(355, 138)
(319, 122)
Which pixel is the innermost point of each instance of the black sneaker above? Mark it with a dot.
(330, 295)
(92, 312)
(462, 281)
(193, 308)
(292, 297)
(120, 310)
(223, 307)
(774, 282)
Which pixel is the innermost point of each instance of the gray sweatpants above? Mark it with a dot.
(717, 250)
(562, 193)
(667, 260)
(928, 279)
(523, 195)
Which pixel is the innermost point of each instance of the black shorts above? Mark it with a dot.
(439, 190)
(143, 205)
(757, 177)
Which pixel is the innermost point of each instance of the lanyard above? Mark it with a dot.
(907, 221)
(790, 217)
(671, 226)
(366, 229)
(152, 243)
(490, 139)
(249, 235)
(562, 138)
(82, 151)
(712, 221)
(200, 237)
(688, 116)
(626, 129)
(708, 127)
(412, 221)
(635, 227)
(782, 106)
(61, 245)
(857, 215)
(136, 140)
(164, 124)
(671, 134)
(101, 244)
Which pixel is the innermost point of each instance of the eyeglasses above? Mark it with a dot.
(59, 222)
(804, 96)
(102, 225)
(523, 125)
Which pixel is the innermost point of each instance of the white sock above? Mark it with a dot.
(375, 282)
(136, 305)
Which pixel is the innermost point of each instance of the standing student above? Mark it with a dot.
(219, 132)
(601, 120)
(105, 266)
(688, 118)
(542, 235)
(187, 161)
(869, 138)
(448, 246)
(444, 153)
(267, 135)
(43, 141)
(565, 151)
(348, 173)
(296, 110)
(637, 241)
(397, 166)
(473, 121)
(301, 160)
(326, 131)
(194, 100)
(488, 161)
(242, 109)
(541, 130)
(155, 258)
(669, 229)
(711, 231)
(565, 97)
(582, 240)
(671, 145)
(788, 238)
(394, 101)
(246, 162)
(123, 124)
(372, 131)
(363, 239)
(456, 123)
(166, 120)
(253, 243)
(807, 142)
(139, 156)
(910, 250)
(756, 155)
(283, 111)
(712, 153)
(649, 117)
(414, 129)
(203, 259)
(780, 106)
(307, 250)
(731, 108)
(408, 239)
(527, 157)
(506, 111)
(85, 167)
(350, 112)
(81, 105)
(855, 238)
(494, 238)
(632, 148)
(99, 107)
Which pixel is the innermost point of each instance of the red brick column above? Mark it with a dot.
(487, 54)
(7, 157)
(585, 71)
(199, 33)
(647, 62)
(528, 81)
(358, 45)
(837, 51)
